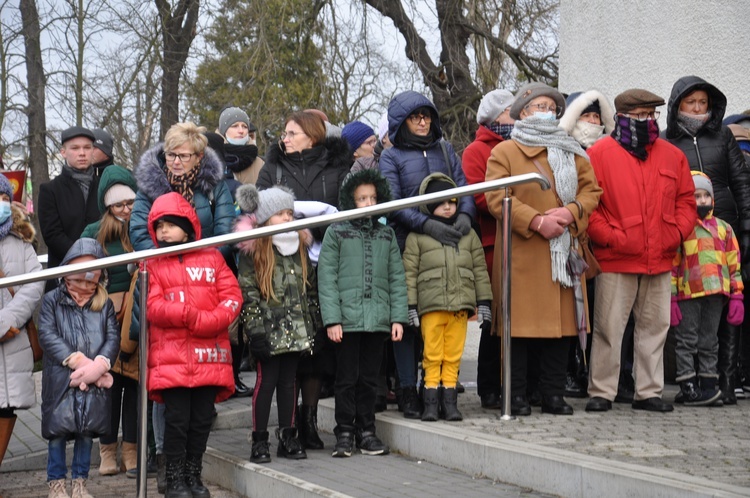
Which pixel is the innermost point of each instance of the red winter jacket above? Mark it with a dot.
(192, 300)
(646, 210)
(474, 163)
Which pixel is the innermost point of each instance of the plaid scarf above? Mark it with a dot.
(635, 135)
(183, 184)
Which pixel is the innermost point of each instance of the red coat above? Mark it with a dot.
(192, 300)
(646, 210)
(474, 163)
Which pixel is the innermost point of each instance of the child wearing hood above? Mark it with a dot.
(80, 336)
(446, 282)
(363, 302)
(705, 273)
(192, 300)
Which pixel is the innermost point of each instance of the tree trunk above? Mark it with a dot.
(178, 31)
(36, 83)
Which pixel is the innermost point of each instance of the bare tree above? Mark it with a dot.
(178, 31)
(35, 107)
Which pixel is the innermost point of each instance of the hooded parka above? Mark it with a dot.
(64, 328)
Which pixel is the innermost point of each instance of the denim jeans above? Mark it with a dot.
(696, 336)
(56, 466)
(157, 418)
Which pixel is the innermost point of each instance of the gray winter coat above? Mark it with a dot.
(17, 257)
(64, 328)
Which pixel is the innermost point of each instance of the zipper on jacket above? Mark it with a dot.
(698, 153)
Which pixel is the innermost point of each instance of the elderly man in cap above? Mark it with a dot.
(69, 202)
(495, 125)
(645, 212)
(102, 156)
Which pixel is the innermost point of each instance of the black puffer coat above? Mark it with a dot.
(713, 151)
(64, 328)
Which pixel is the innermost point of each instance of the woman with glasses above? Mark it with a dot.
(313, 165)
(546, 225)
(116, 195)
(695, 111)
(418, 151)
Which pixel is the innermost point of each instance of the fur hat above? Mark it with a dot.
(492, 105)
(355, 133)
(264, 203)
(103, 141)
(232, 115)
(703, 182)
(532, 90)
(636, 97)
(117, 193)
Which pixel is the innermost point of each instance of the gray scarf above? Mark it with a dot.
(561, 151)
(692, 123)
(82, 177)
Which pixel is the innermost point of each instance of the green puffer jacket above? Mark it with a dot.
(361, 277)
(291, 322)
(444, 278)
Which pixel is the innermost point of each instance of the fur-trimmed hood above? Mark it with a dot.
(22, 227)
(151, 176)
(576, 105)
(336, 150)
(363, 177)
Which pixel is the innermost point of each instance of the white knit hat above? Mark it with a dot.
(117, 193)
(492, 105)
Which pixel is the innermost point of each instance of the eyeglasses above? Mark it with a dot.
(643, 116)
(544, 108)
(124, 204)
(417, 118)
(171, 156)
(291, 134)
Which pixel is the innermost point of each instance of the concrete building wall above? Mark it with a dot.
(613, 45)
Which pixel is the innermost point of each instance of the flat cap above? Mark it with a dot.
(636, 97)
(76, 131)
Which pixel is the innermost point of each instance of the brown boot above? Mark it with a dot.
(108, 455)
(129, 455)
(6, 429)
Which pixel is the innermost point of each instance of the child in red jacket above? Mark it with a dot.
(189, 361)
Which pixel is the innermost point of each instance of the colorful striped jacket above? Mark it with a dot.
(707, 261)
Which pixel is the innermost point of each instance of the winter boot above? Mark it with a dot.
(369, 444)
(6, 430)
(728, 358)
(710, 392)
(430, 401)
(193, 468)
(289, 445)
(344, 441)
(161, 473)
(689, 391)
(108, 456)
(57, 489)
(448, 404)
(130, 458)
(260, 452)
(176, 486)
(410, 402)
(307, 427)
(79, 489)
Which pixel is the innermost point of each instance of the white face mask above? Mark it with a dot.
(587, 133)
(549, 116)
(238, 141)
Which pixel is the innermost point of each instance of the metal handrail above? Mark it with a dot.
(221, 240)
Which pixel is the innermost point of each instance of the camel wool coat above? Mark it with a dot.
(540, 308)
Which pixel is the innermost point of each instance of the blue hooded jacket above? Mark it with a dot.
(405, 167)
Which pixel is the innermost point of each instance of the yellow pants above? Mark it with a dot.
(444, 335)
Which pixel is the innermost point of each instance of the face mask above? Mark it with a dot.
(238, 141)
(703, 211)
(549, 116)
(587, 133)
(4, 211)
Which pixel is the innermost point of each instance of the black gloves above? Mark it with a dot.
(413, 316)
(260, 347)
(445, 234)
(463, 223)
(484, 315)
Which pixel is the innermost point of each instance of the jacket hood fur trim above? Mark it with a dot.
(337, 147)
(22, 227)
(363, 177)
(151, 176)
(574, 110)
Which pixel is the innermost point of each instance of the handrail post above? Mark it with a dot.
(142, 386)
(505, 306)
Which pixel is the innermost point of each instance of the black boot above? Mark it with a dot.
(307, 427)
(289, 445)
(728, 357)
(689, 392)
(176, 486)
(410, 402)
(430, 401)
(449, 404)
(193, 468)
(344, 441)
(161, 474)
(260, 452)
